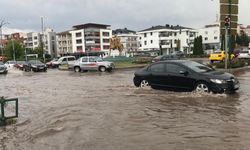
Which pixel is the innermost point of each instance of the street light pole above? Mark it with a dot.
(42, 41)
(1, 35)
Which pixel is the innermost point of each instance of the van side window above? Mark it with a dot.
(64, 59)
(84, 59)
(71, 59)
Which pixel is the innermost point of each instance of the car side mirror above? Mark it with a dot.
(183, 72)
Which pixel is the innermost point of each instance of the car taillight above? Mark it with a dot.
(219, 55)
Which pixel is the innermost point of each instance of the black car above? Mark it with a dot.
(34, 65)
(185, 75)
(165, 57)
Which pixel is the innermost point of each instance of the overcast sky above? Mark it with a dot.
(61, 15)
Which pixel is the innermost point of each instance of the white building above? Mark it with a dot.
(34, 40)
(129, 39)
(168, 39)
(210, 37)
(91, 37)
(64, 43)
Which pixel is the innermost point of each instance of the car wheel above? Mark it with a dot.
(102, 69)
(77, 69)
(144, 83)
(202, 87)
(212, 61)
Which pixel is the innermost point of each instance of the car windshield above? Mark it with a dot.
(197, 67)
(35, 62)
(217, 52)
(99, 59)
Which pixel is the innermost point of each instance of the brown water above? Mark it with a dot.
(104, 111)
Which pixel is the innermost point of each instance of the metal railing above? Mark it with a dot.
(3, 103)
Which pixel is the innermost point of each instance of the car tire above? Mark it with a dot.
(212, 61)
(77, 69)
(202, 87)
(144, 83)
(102, 69)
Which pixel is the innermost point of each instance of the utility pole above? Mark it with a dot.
(42, 40)
(13, 49)
(1, 35)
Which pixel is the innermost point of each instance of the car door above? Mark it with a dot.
(158, 75)
(179, 76)
(84, 63)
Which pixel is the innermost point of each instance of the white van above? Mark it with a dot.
(66, 60)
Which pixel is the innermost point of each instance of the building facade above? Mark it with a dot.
(128, 38)
(34, 40)
(168, 39)
(64, 43)
(91, 37)
(210, 37)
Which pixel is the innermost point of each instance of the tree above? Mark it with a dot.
(115, 43)
(198, 49)
(14, 48)
(242, 39)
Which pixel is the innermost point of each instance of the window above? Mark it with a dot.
(105, 33)
(151, 33)
(35, 37)
(206, 38)
(79, 41)
(71, 59)
(215, 37)
(79, 48)
(105, 47)
(173, 68)
(105, 40)
(157, 68)
(91, 59)
(151, 41)
(145, 34)
(78, 34)
(145, 42)
(206, 32)
(84, 60)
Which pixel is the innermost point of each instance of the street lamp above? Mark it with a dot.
(1, 35)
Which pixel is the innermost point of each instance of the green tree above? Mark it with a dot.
(242, 39)
(14, 48)
(198, 49)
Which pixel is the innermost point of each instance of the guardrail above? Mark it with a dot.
(3, 103)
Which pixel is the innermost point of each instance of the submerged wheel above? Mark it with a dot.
(202, 87)
(144, 83)
(77, 69)
(102, 69)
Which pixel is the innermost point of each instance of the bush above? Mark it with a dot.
(142, 60)
(233, 64)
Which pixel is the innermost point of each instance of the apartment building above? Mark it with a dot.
(128, 38)
(210, 36)
(91, 37)
(33, 40)
(64, 43)
(168, 39)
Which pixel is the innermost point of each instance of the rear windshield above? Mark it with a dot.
(244, 52)
(197, 67)
(217, 52)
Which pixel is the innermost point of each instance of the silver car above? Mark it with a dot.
(3, 68)
(92, 63)
(245, 54)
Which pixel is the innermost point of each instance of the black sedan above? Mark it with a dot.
(185, 75)
(34, 65)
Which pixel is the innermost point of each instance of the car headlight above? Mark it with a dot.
(33, 66)
(218, 81)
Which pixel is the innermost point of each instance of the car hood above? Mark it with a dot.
(219, 75)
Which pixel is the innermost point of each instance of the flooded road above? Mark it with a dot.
(61, 110)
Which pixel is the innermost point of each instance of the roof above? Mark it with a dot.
(123, 31)
(167, 26)
(89, 25)
(63, 32)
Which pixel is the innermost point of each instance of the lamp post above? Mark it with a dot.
(42, 41)
(1, 35)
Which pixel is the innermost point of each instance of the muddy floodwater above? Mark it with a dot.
(62, 110)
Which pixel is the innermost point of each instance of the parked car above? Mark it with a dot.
(53, 63)
(10, 64)
(69, 60)
(3, 68)
(165, 57)
(245, 54)
(185, 75)
(218, 56)
(34, 65)
(92, 63)
(19, 65)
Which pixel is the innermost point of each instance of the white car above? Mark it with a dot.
(245, 54)
(10, 64)
(3, 68)
(92, 63)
